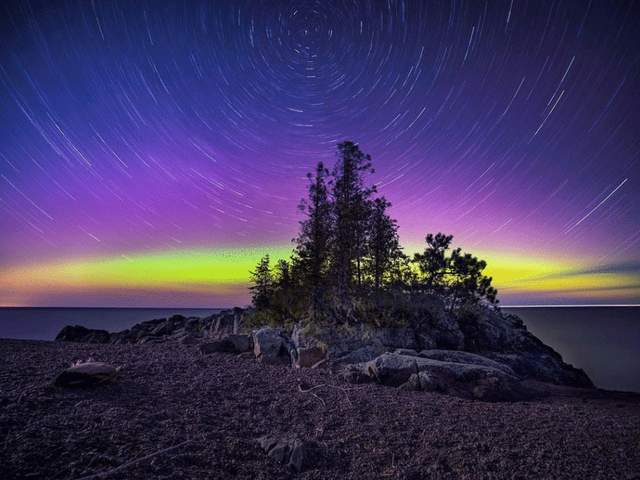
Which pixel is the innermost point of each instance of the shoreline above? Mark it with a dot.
(221, 404)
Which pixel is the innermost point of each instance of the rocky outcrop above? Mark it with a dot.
(78, 333)
(272, 346)
(224, 323)
(483, 337)
(457, 356)
(178, 329)
(347, 344)
(466, 380)
(88, 374)
(505, 339)
(480, 337)
(174, 329)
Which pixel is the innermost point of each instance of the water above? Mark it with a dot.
(604, 341)
(45, 323)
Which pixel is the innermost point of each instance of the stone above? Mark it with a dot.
(392, 369)
(271, 346)
(474, 381)
(224, 323)
(464, 357)
(241, 343)
(308, 357)
(291, 451)
(355, 373)
(78, 333)
(86, 374)
(360, 355)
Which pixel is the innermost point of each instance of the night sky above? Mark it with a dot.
(150, 152)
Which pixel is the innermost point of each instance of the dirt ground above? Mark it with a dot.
(209, 410)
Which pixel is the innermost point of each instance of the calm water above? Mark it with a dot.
(45, 323)
(604, 341)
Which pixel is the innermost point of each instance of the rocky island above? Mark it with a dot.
(355, 360)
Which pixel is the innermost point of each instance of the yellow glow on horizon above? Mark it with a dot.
(226, 271)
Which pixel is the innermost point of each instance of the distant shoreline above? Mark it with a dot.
(599, 305)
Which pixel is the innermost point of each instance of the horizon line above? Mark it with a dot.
(575, 305)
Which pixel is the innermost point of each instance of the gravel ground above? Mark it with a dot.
(212, 408)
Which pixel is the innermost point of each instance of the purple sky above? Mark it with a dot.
(132, 127)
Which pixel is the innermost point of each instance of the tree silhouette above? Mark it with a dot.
(384, 245)
(348, 253)
(314, 242)
(433, 262)
(351, 209)
(262, 288)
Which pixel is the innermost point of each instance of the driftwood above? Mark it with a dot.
(310, 390)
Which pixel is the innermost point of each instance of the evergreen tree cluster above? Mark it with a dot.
(348, 265)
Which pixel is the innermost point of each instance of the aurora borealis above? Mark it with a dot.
(151, 152)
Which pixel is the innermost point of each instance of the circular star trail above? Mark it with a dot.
(131, 127)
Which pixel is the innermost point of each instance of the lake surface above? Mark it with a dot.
(45, 323)
(604, 341)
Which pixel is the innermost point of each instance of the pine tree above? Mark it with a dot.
(434, 263)
(351, 208)
(313, 243)
(262, 288)
(384, 246)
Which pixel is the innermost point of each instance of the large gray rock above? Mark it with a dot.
(271, 346)
(78, 333)
(309, 357)
(457, 356)
(392, 369)
(465, 380)
(350, 344)
(86, 374)
(224, 323)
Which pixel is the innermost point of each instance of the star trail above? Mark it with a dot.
(151, 151)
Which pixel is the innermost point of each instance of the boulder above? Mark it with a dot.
(78, 333)
(349, 344)
(271, 346)
(224, 323)
(355, 373)
(309, 357)
(86, 374)
(295, 453)
(360, 355)
(457, 356)
(465, 380)
(544, 367)
(392, 369)
(241, 343)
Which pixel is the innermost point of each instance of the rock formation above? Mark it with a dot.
(482, 354)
